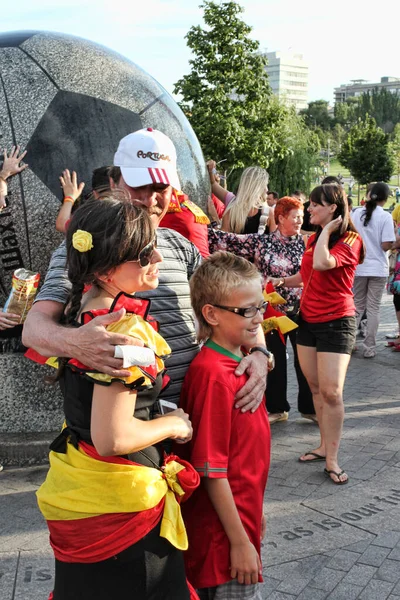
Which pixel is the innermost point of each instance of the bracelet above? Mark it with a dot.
(69, 199)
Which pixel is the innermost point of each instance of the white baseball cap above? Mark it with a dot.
(147, 156)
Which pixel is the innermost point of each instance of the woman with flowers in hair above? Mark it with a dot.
(111, 498)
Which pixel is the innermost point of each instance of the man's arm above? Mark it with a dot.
(91, 344)
(256, 365)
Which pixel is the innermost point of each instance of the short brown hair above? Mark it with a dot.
(285, 205)
(213, 281)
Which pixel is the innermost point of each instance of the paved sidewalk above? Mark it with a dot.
(323, 541)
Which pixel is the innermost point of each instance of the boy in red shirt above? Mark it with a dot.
(230, 449)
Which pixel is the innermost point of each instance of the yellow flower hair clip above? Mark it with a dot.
(82, 240)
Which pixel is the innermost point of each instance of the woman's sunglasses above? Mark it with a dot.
(146, 253)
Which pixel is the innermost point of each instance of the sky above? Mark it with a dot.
(339, 40)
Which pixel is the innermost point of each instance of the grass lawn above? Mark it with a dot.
(335, 168)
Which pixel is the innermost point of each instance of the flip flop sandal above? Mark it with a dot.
(338, 482)
(317, 457)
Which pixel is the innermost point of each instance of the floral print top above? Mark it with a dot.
(274, 256)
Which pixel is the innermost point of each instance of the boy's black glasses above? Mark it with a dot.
(146, 253)
(248, 312)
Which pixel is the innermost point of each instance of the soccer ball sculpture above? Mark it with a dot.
(68, 102)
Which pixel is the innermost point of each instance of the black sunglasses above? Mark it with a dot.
(146, 253)
(247, 312)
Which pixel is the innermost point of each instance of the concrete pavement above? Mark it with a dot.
(323, 541)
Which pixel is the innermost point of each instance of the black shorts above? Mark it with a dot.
(336, 336)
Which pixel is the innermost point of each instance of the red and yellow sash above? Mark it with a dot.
(180, 199)
(98, 506)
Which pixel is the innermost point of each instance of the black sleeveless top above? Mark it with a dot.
(77, 388)
(252, 223)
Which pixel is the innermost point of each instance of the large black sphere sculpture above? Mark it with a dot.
(68, 102)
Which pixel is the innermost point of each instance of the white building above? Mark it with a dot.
(361, 86)
(288, 77)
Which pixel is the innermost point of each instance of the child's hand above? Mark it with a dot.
(245, 563)
(70, 186)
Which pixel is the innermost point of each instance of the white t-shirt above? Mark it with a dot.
(379, 229)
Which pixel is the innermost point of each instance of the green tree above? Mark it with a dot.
(395, 147)
(346, 113)
(226, 96)
(366, 152)
(316, 115)
(382, 105)
(338, 134)
(298, 169)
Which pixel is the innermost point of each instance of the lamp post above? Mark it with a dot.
(329, 153)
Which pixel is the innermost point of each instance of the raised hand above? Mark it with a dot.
(70, 186)
(12, 164)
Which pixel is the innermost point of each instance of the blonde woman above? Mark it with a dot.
(248, 211)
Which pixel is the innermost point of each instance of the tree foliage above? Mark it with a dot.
(226, 96)
(383, 106)
(297, 170)
(366, 152)
(395, 148)
(316, 115)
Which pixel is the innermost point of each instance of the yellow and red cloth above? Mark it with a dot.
(95, 506)
(188, 219)
(274, 319)
(136, 323)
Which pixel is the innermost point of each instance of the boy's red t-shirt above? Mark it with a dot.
(328, 295)
(228, 444)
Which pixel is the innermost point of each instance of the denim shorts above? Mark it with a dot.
(336, 336)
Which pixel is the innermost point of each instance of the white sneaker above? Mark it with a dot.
(369, 353)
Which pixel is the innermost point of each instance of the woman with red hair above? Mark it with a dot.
(276, 255)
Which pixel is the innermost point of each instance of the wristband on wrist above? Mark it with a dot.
(69, 199)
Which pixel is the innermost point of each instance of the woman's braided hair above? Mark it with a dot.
(119, 232)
